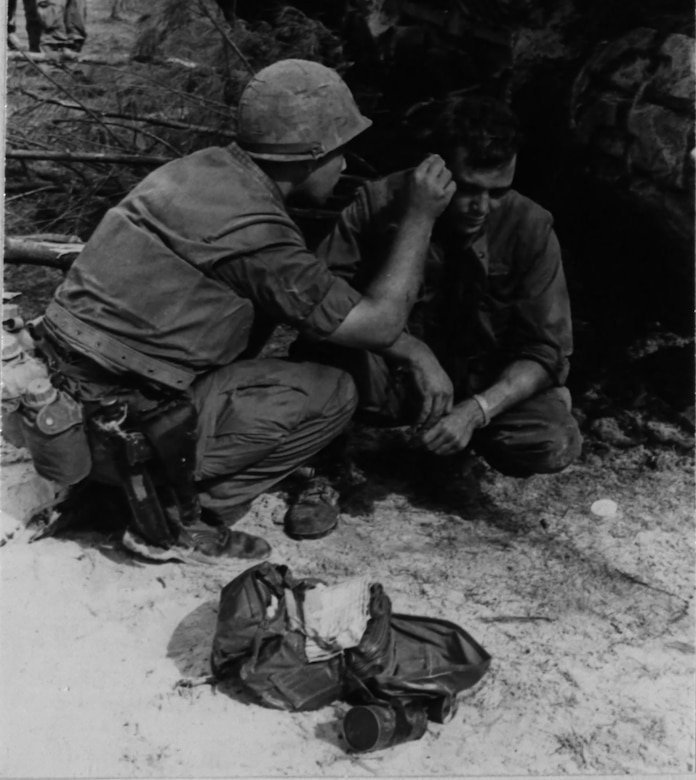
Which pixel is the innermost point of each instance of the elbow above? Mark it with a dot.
(370, 326)
(385, 335)
(386, 338)
(389, 324)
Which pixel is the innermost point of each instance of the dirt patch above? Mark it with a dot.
(589, 620)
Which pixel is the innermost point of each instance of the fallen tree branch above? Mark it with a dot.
(52, 238)
(22, 57)
(98, 157)
(160, 122)
(632, 578)
(20, 251)
(130, 128)
(65, 56)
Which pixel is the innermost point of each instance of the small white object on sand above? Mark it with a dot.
(605, 507)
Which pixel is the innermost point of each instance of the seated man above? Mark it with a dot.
(484, 357)
(183, 281)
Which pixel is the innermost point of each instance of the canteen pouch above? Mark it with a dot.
(57, 440)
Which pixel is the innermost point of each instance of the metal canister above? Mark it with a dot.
(377, 726)
(443, 709)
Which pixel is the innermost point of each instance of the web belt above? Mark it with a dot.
(116, 351)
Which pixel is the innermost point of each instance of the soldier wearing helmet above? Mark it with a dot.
(183, 281)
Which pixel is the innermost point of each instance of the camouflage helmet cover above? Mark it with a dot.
(297, 110)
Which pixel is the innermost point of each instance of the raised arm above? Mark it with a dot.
(378, 319)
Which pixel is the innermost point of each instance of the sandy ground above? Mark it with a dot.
(589, 621)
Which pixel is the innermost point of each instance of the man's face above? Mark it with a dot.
(319, 184)
(479, 191)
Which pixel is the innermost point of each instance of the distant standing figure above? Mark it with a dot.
(33, 24)
(63, 23)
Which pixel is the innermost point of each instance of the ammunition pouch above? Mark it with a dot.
(151, 456)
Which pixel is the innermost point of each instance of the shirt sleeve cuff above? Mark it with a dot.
(330, 312)
(556, 365)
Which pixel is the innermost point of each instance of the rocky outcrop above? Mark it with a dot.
(632, 108)
(629, 111)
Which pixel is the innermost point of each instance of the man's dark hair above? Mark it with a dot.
(484, 126)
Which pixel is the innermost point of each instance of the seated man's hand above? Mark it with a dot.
(453, 432)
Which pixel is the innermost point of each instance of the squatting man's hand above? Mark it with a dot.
(433, 387)
(453, 432)
(430, 188)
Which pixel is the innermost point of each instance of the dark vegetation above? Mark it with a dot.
(631, 280)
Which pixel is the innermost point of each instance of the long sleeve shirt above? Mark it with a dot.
(500, 298)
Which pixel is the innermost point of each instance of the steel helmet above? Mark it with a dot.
(296, 110)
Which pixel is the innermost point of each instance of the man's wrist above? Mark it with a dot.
(484, 408)
(408, 352)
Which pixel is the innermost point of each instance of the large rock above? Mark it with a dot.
(673, 81)
(659, 142)
(632, 107)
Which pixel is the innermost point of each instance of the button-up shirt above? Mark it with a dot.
(483, 304)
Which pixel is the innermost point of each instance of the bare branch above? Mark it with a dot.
(70, 95)
(52, 238)
(160, 122)
(93, 157)
(140, 130)
(213, 105)
(64, 56)
(30, 188)
(227, 38)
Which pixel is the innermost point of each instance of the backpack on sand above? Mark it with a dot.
(260, 640)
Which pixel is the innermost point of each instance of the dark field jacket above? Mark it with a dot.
(499, 299)
(178, 275)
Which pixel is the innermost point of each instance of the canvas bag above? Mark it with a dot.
(259, 642)
(430, 661)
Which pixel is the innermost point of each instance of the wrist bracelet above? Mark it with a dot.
(485, 409)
